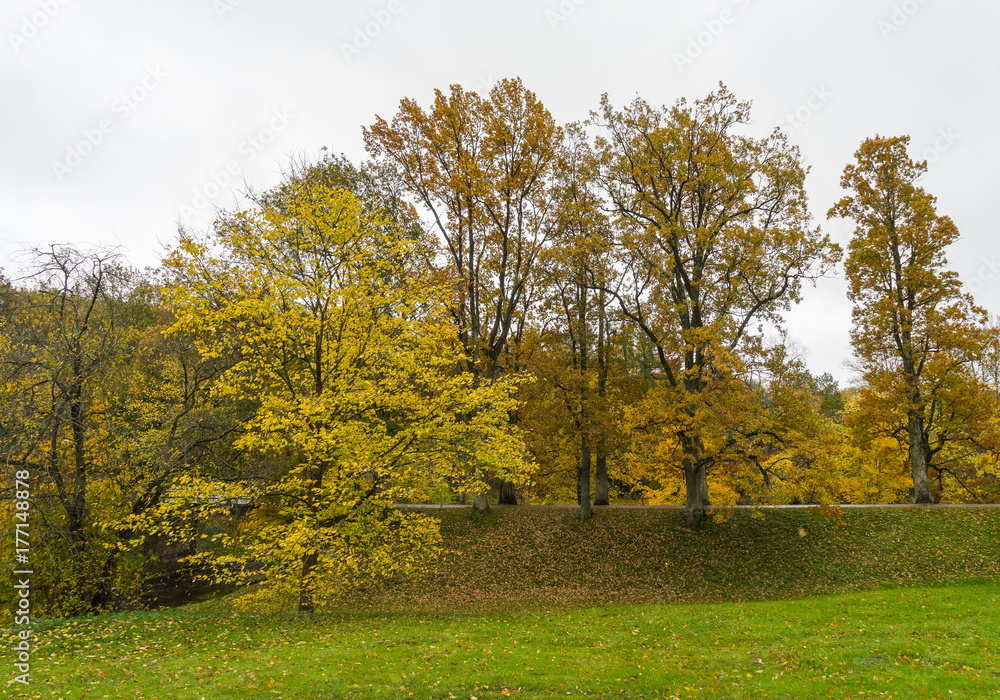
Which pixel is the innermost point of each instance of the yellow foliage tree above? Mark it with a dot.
(481, 167)
(715, 242)
(352, 359)
(916, 333)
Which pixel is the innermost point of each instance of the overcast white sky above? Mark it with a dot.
(121, 118)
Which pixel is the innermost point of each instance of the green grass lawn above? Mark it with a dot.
(904, 643)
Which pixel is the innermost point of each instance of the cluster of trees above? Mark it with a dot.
(494, 304)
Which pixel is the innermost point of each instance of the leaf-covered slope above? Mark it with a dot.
(526, 557)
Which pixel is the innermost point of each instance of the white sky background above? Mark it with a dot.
(207, 76)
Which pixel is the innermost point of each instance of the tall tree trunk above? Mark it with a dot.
(696, 483)
(311, 558)
(601, 477)
(601, 468)
(918, 460)
(508, 492)
(695, 471)
(306, 603)
(77, 511)
(583, 478)
(702, 476)
(78, 504)
(694, 507)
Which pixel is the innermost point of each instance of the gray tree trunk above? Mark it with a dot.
(601, 497)
(306, 603)
(480, 505)
(696, 483)
(601, 479)
(694, 507)
(583, 479)
(918, 460)
(702, 475)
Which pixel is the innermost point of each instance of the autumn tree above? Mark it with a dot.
(6, 297)
(70, 332)
(916, 333)
(715, 242)
(481, 169)
(827, 389)
(345, 344)
(794, 443)
(579, 269)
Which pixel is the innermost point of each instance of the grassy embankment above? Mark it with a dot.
(505, 617)
(540, 558)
